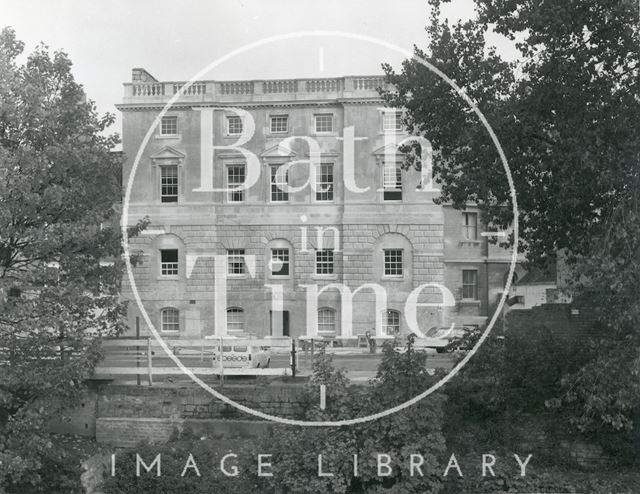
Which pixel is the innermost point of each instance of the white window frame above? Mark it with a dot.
(317, 117)
(468, 227)
(241, 192)
(238, 118)
(397, 121)
(273, 183)
(165, 186)
(286, 252)
(474, 285)
(393, 263)
(174, 322)
(170, 269)
(325, 262)
(235, 258)
(321, 184)
(392, 180)
(272, 120)
(387, 324)
(238, 324)
(324, 322)
(169, 118)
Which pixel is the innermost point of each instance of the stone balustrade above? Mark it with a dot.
(351, 86)
(196, 88)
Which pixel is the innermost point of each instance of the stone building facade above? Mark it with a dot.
(378, 224)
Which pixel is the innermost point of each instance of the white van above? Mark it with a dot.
(242, 356)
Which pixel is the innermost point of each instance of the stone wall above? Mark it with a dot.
(122, 416)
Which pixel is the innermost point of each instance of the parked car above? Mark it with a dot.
(437, 339)
(242, 356)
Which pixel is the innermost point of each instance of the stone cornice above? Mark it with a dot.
(126, 107)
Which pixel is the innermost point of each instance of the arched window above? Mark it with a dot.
(170, 319)
(391, 322)
(235, 320)
(326, 320)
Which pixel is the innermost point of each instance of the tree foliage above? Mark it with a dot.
(413, 430)
(59, 182)
(566, 113)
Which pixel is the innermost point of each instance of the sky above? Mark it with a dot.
(174, 40)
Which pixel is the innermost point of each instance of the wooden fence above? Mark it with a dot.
(146, 357)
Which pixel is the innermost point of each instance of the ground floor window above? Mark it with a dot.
(326, 320)
(235, 320)
(170, 319)
(391, 322)
(470, 284)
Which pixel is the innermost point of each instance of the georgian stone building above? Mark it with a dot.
(383, 230)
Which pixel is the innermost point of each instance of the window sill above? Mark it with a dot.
(326, 277)
(168, 278)
(393, 278)
(168, 136)
(324, 134)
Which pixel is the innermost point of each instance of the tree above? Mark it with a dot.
(416, 429)
(59, 182)
(566, 115)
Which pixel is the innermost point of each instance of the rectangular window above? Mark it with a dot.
(470, 284)
(324, 182)
(392, 182)
(279, 185)
(470, 226)
(234, 125)
(235, 178)
(169, 126)
(391, 121)
(324, 122)
(279, 262)
(169, 183)
(280, 124)
(235, 261)
(169, 262)
(324, 261)
(393, 262)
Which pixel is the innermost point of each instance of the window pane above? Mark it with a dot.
(470, 226)
(169, 183)
(235, 178)
(391, 322)
(324, 182)
(278, 184)
(280, 262)
(324, 261)
(169, 262)
(234, 125)
(393, 262)
(235, 320)
(392, 182)
(170, 320)
(392, 121)
(326, 320)
(470, 284)
(324, 123)
(169, 126)
(280, 123)
(235, 261)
